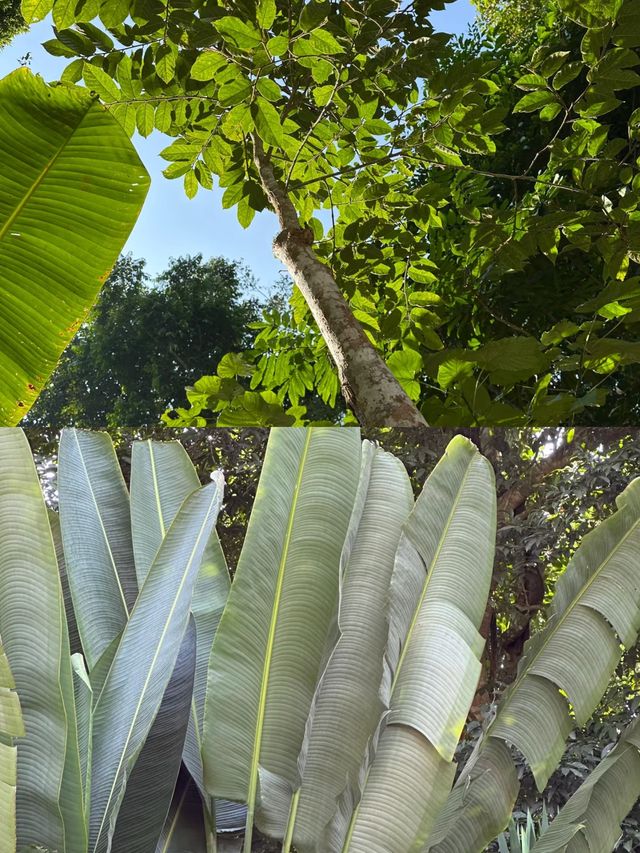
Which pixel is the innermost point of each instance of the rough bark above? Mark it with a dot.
(368, 386)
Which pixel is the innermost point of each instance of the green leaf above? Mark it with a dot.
(405, 364)
(146, 656)
(162, 477)
(319, 42)
(165, 65)
(207, 65)
(348, 690)
(35, 10)
(50, 807)
(144, 119)
(101, 83)
(268, 123)
(563, 329)
(596, 607)
(141, 817)
(96, 534)
(422, 276)
(438, 594)
(237, 32)
(593, 814)
(533, 101)
(453, 370)
(53, 263)
(510, 360)
(269, 89)
(283, 597)
(266, 13)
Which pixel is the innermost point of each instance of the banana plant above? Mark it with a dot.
(105, 727)
(322, 694)
(71, 190)
(366, 763)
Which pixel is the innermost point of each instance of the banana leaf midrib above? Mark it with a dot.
(559, 622)
(255, 758)
(36, 184)
(429, 576)
(152, 664)
(99, 517)
(163, 531)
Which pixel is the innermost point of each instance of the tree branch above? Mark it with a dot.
(368, 386)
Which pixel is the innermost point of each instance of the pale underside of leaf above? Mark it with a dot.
(272, 637)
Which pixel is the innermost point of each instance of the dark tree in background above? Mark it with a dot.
(145, 340)
(11, 21)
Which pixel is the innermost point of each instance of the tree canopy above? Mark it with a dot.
(496, 288)
(144, 338)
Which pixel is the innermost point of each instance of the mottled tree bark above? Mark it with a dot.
(368, 386)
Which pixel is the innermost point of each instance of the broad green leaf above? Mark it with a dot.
(101, 83)
(162, 477)
(510, 360)
(405, 364)
(590, 819)
(11, 726)
(438, 595)
(268, 122)
(266, 13)
(35, 10)
(595, 608)
(348, 690)
(145, 658)
(96, 534)
(283, 598)
(534, 100)
(207, 65)
(238, 32)
(34, 636)
(318, 43)
(150, 786)
(54, 261)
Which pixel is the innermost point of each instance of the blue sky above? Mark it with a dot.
(170, 225)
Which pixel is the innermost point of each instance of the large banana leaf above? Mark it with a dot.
(590, 820)
(96, 535)
(145, 658)
(50, 807)
(162, 476)
(11, 726)
(348, 690)
(438, 595)
(150, 786)
(595, 608)
(272, 639)
(71, 189)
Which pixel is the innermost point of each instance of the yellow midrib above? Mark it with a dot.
(574, 603)
(153, 663)
(36, 184)
(255, 759)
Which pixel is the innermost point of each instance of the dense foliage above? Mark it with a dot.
(109, 542)
(11, 21)
(553, 487)
(143, 338)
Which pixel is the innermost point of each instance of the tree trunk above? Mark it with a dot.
(368, 386)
